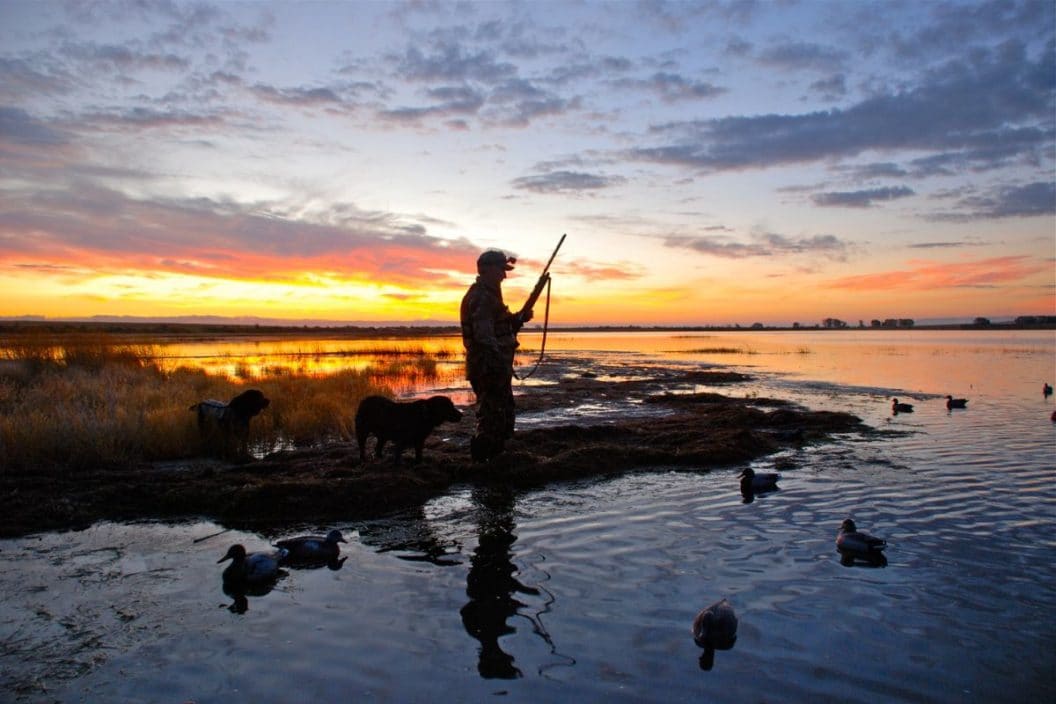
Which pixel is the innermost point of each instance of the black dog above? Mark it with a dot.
(406, 424)
(230, 421)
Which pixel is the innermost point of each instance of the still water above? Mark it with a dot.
(585, 592)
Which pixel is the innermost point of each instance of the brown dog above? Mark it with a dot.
(229, 422)
(406, 424)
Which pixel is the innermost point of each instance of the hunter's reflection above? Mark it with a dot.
(491, 584)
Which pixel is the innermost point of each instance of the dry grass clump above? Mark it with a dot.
(411, 372)
(77, 418)
(308, 410)
(90, 403)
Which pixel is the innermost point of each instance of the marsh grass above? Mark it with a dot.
(91, 403)
(39, 352)
(719, 350)
(378, 350)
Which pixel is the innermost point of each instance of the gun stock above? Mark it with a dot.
(543, 279)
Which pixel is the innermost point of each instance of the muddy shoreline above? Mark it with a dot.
(684, 429)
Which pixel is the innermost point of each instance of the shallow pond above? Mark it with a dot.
(585, 592)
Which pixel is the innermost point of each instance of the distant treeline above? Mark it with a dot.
(1021, 322)
(184, 331)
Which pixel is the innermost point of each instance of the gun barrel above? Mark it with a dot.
(551, 259)
(543, 277)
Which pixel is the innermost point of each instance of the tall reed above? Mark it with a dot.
(90, 403)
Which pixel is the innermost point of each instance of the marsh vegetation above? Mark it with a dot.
(83, 400)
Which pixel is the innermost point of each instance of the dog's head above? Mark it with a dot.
(249, 403)
(442, 409)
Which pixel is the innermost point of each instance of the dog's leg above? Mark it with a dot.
(361, 440)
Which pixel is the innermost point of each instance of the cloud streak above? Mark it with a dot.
(861, 199)
(760, 245)
(566, 182)
(930, 275)
(1036, 199)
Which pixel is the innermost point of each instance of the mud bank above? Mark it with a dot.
(683, 428)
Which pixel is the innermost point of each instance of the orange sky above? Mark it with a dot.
(710, 167)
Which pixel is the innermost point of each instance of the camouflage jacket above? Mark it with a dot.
(489, 330)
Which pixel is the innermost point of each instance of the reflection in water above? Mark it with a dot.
(707, 658)
(491, 585)
(848, 559)
(239, 593)
(748, 494)
(415, 361)
(412, 539)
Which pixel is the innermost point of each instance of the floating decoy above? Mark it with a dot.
(715, 628)
(251, 569)
(757, 482)
(716, 625)
(897, 407)
(312, 548)
(952, 402)
(851, 543)
(1046, 390)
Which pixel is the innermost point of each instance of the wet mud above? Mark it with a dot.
(679, 428)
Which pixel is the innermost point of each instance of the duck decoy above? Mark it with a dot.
(897, 407)
(757, 482)
(852, 544)
(252, 569)
(312, 548)
(715, 628)
(1046, 390)
(952, 402)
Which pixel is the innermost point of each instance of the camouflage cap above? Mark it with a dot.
(496, 257)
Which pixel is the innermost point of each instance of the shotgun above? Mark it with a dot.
(543, 279)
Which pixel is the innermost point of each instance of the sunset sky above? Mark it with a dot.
(712, 163)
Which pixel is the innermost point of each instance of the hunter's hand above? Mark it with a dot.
(525, 315)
